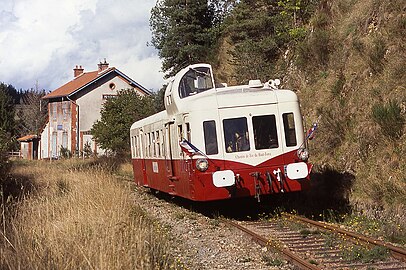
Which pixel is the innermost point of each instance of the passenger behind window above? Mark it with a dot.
(240, 143)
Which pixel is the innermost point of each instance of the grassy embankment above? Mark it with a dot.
(349, 73)
(75, 215)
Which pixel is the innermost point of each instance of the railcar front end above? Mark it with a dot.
(219, 143)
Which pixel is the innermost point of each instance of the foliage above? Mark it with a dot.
(65, 153)
(6, 127)
(390, 119)
(87, 150)
(376, 54)
(4, 147)
(31, 113)
(314, 51)
(117, 116)
(7, 107)
(183, 32)
(260, 31)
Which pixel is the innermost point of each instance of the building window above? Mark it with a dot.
(112, 86)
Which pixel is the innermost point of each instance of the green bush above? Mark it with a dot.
(390, 119)
(4, 148)
(65, 153)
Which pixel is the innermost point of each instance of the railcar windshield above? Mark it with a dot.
(236, 134)
(196, 80)
(265, 132)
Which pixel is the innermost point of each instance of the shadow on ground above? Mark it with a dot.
(328, 197)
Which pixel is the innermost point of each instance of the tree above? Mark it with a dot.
(7, 123)
(6, 126)
(4, 148)
(260, 31)
(182, 32)
(112, 131)
(31, 113)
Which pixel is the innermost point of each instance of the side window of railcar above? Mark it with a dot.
(210, 137)
(289, 126)
(236, 134)
(157, 144)
(134, 146)
(180, 133)
(188, 132)
(265, 132)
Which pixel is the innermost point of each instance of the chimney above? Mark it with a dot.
(103, 65)
(77, 71)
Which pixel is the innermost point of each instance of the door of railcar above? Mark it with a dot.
(169, 135)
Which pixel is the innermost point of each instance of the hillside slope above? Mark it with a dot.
(349, 72)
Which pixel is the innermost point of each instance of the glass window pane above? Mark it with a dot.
(210, 137)
(289, 126)
(195, 81)
(236, 134)
(265, 132)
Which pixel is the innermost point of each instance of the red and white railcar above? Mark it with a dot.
(217, 142)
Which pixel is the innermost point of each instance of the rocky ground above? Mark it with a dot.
(201, 242)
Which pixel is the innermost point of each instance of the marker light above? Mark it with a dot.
(303, 154)
(202, 164)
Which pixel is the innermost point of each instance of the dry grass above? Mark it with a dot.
(79, 219)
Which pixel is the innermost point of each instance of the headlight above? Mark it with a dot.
(303, 154)
(202, 164)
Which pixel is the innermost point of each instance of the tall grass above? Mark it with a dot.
(80, 219)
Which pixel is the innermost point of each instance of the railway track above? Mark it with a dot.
(314, 245)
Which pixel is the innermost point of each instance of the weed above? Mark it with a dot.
(214, 222)
(330, 240)
(269, 261)
(313, 262)
(63, 186)
(389, 118)
(376, 54)
(93, 225)
(365, 255)
(305, 233)
(338, 85)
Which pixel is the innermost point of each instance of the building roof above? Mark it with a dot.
(27, 138)
(85, 79)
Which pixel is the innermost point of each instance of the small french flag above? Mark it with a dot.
(311, 132)
(188, 148)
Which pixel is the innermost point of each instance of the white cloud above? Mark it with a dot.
(44, 39)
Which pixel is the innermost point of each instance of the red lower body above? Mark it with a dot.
(181, 178)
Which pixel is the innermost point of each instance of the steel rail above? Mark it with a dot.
(289, 255)
(397, 252)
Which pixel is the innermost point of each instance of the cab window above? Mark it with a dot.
(236, 135)
(265, 132)
(196, 80)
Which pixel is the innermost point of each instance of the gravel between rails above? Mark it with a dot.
(200, 242)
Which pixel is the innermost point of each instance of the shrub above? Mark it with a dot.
(376, 54)
(65, 153)
(4, 147)
(390, 119)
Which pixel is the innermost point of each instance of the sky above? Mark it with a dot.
(41, 41)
